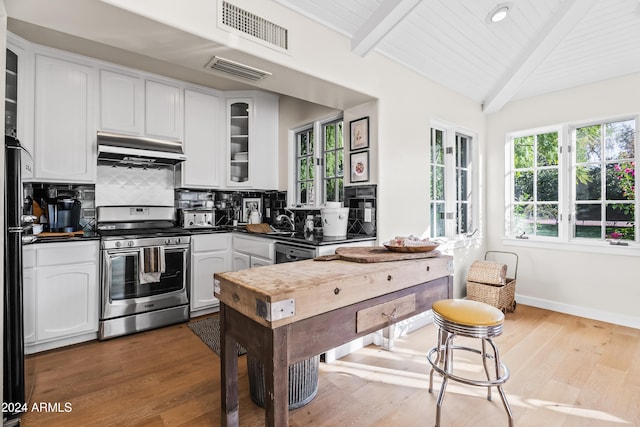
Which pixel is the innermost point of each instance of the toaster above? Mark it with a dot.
(197, 218)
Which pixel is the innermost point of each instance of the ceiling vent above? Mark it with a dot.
(255, 26)
(237, 69)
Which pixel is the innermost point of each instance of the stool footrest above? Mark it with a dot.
(480, 383)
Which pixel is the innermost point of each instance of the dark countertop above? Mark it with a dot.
(313, 240)
(88, 235)
(287, 237)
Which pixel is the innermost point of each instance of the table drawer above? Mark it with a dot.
(384, 314)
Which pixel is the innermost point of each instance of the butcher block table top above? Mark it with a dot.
(280, 294)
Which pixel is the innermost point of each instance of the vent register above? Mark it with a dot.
(248, 23)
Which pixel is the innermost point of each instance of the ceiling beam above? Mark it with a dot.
(568, 15)
(389, 14)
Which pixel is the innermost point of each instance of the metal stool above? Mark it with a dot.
(472, 319)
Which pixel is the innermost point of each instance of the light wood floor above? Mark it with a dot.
(565, 371)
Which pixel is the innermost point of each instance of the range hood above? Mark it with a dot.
(140, 151)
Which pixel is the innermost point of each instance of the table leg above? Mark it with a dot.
(276, 373)
(228, 374)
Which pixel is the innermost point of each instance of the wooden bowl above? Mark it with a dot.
(396, 248)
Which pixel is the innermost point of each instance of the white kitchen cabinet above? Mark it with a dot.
(163, 110)
(210, 254)
(61, 296)
(121, 102)
(29, 293)
(65, 131)
(257, 261)
(134, 104)
(252, 140)
(250, 251)
(19, 96)
(202, 140)
(66, 301)
(241, 261)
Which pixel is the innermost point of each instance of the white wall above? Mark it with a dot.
(598, 285)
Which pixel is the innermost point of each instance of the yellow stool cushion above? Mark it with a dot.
(468, 312)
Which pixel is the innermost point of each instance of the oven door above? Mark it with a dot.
(122, 292)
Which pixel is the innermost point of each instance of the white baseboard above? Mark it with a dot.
(604, 316)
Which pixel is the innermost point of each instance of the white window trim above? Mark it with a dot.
(450, 130)
(317, 156)
(566, 158)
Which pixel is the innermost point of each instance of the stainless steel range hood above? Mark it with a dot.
(142, 151)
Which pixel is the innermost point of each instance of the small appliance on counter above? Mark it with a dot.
(64, 214)
(197, 218)
(334, 219)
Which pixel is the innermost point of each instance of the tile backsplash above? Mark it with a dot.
(122, 186)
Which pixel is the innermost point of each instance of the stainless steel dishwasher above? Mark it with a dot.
(287, 252)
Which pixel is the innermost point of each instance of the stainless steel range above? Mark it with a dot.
(144, 269)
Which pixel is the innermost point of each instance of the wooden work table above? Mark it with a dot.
(286, 313)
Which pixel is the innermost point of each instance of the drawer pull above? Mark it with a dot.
(391, 316)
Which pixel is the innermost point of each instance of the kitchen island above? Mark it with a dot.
(286, 313)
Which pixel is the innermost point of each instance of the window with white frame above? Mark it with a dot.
(575, 183)
(451, 192)
(319, 165)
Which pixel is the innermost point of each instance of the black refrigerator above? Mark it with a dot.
(14, 399)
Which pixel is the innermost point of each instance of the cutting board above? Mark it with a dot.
(259, 228)
(61, 234)
(374, 254)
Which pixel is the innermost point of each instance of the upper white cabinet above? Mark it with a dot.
(202, 140)
(19, 96)
(252, 140)
(121, 102)
(132, 104)
(65, 132)
(163, 110)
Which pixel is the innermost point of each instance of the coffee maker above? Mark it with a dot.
(64, 214)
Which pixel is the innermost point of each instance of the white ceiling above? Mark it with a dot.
(542, 46)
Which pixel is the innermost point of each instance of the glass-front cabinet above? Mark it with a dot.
(11, 94)
(239, 111)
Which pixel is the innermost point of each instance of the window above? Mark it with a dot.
(305, 167)
(598, 167)
(319, 166)
(333, 161)
(535, 196)
(451, 187)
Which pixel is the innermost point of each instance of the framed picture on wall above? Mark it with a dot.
(360, 166)
(359, 134)
(250, 204)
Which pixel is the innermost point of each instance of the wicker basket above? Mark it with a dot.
(501, 297)
(487, 282)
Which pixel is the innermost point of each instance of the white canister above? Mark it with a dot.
(254, 217)
(334, 221)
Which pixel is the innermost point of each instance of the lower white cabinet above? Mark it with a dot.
(61, 294)
(66, 301)
(210, 254)
(250, 251)
(29, 294)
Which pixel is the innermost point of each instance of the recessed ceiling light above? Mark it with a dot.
(498, 13)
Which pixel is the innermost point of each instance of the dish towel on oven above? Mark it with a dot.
(151, 264)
